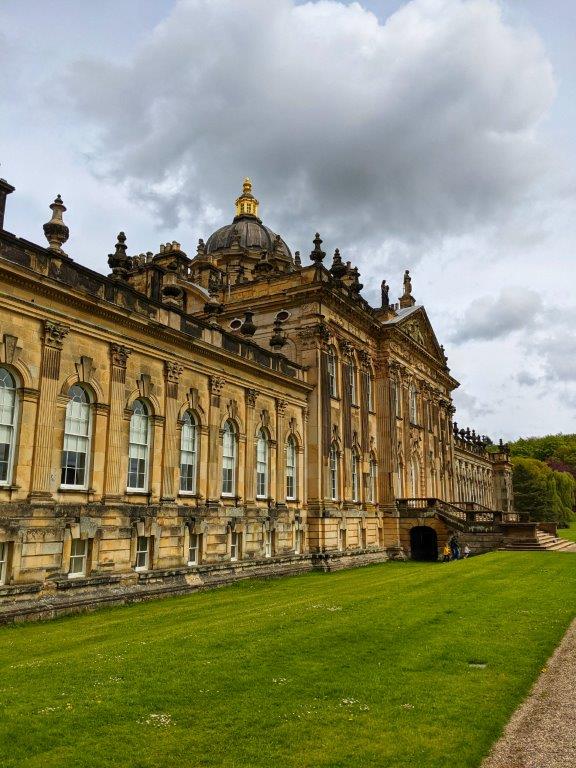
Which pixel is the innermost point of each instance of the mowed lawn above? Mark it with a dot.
(568, 533)
(400, 664)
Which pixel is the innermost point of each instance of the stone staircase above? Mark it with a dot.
(544, 542)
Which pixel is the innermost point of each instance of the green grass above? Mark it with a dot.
(568, 533)
(370, 667)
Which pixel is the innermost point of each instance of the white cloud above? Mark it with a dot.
(422, 126)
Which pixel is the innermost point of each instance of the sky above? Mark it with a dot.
(432, 135)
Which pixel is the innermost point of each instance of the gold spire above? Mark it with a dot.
(246, 204)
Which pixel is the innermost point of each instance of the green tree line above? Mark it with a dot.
(544, 476)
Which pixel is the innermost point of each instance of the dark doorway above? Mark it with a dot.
(423, 543)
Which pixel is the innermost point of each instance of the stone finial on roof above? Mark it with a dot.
(338, 268)
(407, 300)
(118, 261)
(297, 259)
(55, 230)
(317, 254)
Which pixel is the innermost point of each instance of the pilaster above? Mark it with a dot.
(115, 484)
(42, 470)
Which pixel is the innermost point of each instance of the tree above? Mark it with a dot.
(541, 492)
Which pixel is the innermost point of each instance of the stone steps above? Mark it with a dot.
(544, 542)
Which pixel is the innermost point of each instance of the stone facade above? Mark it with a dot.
(184, 421)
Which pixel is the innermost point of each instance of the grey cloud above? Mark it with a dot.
(375, 133)
(526, 379)
(496, 317)
(470, 408)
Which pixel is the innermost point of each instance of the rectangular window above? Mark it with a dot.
(5, 445)
(235, 545)
(3, 562)
(78, 557)
(342, 542)
(137, 467)
(73, 472)
(353, 393)
(142, 553)
(195, 548)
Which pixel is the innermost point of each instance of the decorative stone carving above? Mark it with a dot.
(265, 418)
(232, 408)
(54, 334)
(311, 335)
(11, 351)
(194, 400)
(85, 368)
(119, 355)
(281, 406)
(145, 385)
(217, 385)
(173, 371)
(251, 397)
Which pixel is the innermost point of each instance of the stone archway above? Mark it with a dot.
(423, 543)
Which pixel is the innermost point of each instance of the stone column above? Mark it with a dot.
(171, 449)
(214, 479)
(115, 484)
(42, 470)
(250, 469)
(280, 452)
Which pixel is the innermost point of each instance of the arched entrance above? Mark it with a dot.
(423, 543)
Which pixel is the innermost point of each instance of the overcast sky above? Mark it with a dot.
(434, 135)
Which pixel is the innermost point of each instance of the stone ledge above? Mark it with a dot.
(121, 589)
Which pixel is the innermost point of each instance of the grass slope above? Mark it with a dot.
(568, 533)
(369, 667)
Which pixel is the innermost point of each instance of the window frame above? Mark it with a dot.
(332, 367)
(12, 427)
(4, 556)
(86, 437)
(334, 472)
(189, 421)
(291, 470)
(145, 552)
(235, 546)
(229, 429)
(262, 464)
(373, 481)
(353, 384)
(144, 488)
(83, 557)
(197, 539)
(355, 462)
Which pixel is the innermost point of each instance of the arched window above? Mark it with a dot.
(334, 460)
(77, 432)
(262, 465)
(413, 405)
(353, 388)
(8, 415)
(332, 384)
(188, 454)
(229, 460)
(355, 476)
(372, 480)
(291, 468)
(139, 448)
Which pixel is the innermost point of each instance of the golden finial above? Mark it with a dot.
(246, 204)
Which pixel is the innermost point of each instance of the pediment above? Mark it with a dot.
(418, 327)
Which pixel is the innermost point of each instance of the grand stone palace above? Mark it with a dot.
(187, 421)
